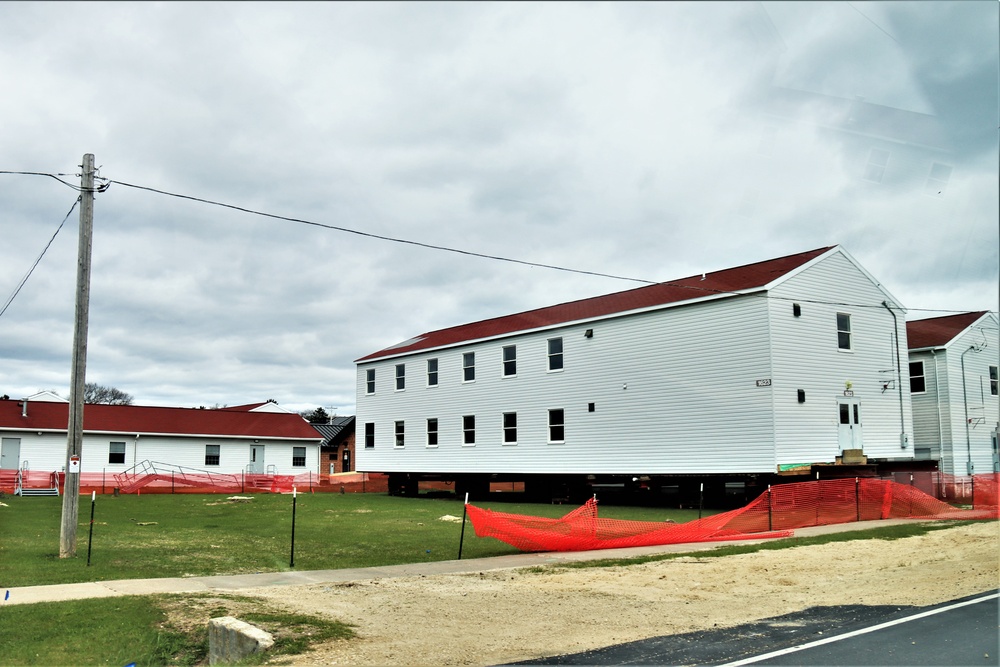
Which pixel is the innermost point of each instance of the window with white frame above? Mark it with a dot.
(116, 452)
(432, 432)
(557, 425)
(555, 354)
(369, 435)
(298, 457)
(878, 162)
(469, 429)
(400, 432)
(212, 455)
(509, 360)
(370, 381)
(918, 383)
(468, 367)
(400, 377)
(844, 331)
(432, 372)
(510, 428)
(993, 380)
(937, 180)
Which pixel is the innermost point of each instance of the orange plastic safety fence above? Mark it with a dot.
(775, 513)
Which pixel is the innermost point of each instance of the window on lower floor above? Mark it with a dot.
(400, 432)
(211, 455)
(993, 380)
(369, 435)
(298, 457)
(557, 425)
(510, 428)
(469, 429)
(918, 383)
(432, 432)
(116, 452)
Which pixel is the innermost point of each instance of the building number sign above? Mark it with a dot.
(764, 383)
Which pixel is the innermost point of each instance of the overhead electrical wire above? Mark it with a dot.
(106, 183)
(42, 254)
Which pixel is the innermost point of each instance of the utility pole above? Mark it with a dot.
(74, 434)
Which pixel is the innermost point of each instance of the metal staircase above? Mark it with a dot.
(20, 490)
(147, 472)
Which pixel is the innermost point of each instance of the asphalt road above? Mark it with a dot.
(960, 632)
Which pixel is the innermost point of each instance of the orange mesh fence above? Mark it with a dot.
(205, 483)
(775, 513)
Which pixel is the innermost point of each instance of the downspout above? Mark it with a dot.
(937, 401)
(899, 378)
(965, 403)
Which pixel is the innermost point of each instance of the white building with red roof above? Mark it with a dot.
(752, 370)
(953, 384)
(260, 438)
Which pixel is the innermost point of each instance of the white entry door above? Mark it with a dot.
(849, 431)
(10, 453)
(256, 465)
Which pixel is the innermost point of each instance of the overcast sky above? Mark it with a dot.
(649, 140)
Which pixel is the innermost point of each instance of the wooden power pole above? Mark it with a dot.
(74, 435)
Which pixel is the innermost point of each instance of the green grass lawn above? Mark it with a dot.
(163, 535)
(178, 535)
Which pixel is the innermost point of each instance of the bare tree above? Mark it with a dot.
(97, 393)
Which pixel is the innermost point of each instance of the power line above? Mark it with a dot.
(379, 236)
(44, 250)
(102, 188)
(106, 183)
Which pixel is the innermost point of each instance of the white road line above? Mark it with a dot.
(848, 635)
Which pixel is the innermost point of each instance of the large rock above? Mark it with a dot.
(231, 640)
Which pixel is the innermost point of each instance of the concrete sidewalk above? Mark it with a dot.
(236, 582)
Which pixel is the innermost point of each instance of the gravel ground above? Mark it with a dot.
(505, 616)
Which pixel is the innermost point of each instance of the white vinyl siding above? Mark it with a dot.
(805, 355)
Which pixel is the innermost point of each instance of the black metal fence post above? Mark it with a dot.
(461, 539)
(291, 562)
(90, 539)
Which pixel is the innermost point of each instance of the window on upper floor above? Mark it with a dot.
(369, 435)
(509, 360)
(993, 380)
(469, 429)
(400, 432)
(918, 384)
(510, 428)
(844, 331)
(555, 354)
(468, 367)
(116, 452)
(370, 381)
(432, 432)
(432, 372)
(557, 425)
(212, 455)
(937, 180)
(298, 457)
(400, 377)
(878, 162)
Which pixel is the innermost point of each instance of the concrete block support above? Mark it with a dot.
(231, 640)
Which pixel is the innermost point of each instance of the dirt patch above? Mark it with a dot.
(510, 615)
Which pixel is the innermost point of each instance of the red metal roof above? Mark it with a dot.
(939, 331)
(99, 418)
(750, 276)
